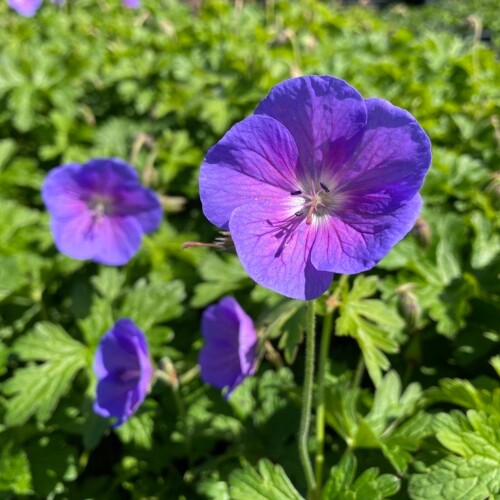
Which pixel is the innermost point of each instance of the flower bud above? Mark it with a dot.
(408, 307)
(422, 232)
(223, 243)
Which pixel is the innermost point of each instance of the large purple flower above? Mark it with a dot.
(123, 371)
(99, 210)
(318, 181)
(229, 353)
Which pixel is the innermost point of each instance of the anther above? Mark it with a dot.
(295, 193)
(325, 189)
(299, 213)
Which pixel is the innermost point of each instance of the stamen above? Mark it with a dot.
(325, 189)
(295, 193)
(299, 213)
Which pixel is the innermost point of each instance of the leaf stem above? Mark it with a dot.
(360, 371)
(305, 419)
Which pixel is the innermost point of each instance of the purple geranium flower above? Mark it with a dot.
(229, 353)
(132, 4)
(123, 370)
(26, 8)
(318, 181)
(99, 210)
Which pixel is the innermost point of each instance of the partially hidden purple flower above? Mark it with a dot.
(132, 4)
(124, 371)
(318, 181)
(26, 8)
(229, 353)
(99, 210)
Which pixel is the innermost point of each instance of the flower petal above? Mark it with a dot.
(109, 240)
(62, 194)
(255, 160)
(113, 356)
(140, 202)
(220, 368)
(322, 113)
(226, 326)
(356, 242)
(390, 163)
(104, 175)
(274, 247)
(117, 399)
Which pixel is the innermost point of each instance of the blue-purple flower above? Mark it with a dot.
(124, 371)
(132, 4)
(99, 210)
(26, 8)
(318, 181)
(229, 353)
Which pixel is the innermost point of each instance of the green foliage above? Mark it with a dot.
(392, 424)
(159, 86)
(36, 389)
(267, 482)
(472, 469)
(342, 485)
(372, 323)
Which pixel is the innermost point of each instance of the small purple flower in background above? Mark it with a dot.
(26, 8)
(318, 181)
(229, 353)
(99, 210)
(132, 4)
(124, 371)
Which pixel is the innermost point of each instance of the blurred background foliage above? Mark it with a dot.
(159, 86)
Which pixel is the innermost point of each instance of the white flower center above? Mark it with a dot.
(318, 200)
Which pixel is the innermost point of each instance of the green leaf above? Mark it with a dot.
(98, 322)
(23, 109)
(150, 303)
(293, 333)
(139, 428)
(342, 486)
(109, 283)
(372, 323)
(452, 235)
(15, 475)
(265, 482)
(11, 277)
(392, 425)
(486, 246)
(274, 319)
(463, 393)
(455, 478)
(495, 363)
(36, 389)
(472, 470)
(7, 148)
(53, 462)
(222, 276)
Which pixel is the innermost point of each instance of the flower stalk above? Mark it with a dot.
(305, 419)
(326, 334)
